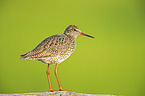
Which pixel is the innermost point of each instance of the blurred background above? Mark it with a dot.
(111, 63)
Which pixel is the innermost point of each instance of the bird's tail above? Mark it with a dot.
(23, 56)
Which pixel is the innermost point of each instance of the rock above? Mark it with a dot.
(55, 93)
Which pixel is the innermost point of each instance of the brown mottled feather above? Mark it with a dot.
(51, 47)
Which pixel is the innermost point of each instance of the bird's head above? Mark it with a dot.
(74, 31)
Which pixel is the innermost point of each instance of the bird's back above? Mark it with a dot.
(52, 50)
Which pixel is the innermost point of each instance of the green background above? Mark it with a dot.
(111, 63)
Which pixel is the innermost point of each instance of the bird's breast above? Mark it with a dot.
(61, 52)
(66, 52)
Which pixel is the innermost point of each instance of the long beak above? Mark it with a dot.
(81, 33)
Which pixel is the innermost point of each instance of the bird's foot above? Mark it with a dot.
(52, 90)
(60, 89)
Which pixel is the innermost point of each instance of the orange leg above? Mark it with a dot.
(60, 88)
(49, 79)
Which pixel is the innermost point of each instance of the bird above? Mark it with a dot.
(55, 49)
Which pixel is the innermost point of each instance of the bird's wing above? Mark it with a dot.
(50, 47)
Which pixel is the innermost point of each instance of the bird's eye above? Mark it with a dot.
(75, 30)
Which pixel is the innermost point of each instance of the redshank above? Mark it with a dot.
(55, 49)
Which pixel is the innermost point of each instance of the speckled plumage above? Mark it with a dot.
(56, 48)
